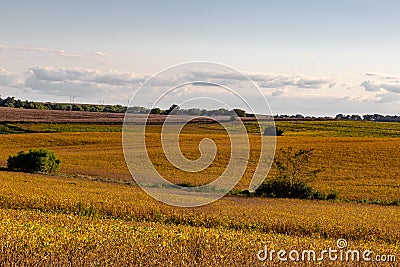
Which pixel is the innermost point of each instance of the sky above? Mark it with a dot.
(311, 57)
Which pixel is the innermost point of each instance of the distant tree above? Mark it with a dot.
(240, 112)
(355, 117)
(367, 117)
(48, 106)
(95, 108)
(138, 110)
(9, 102)
(271, 130)
(18, 103)
(56, 106)
(108, 108)
(29, 105)
(173, 110)
(40, 106)
(155, 111)
(298, 116)
(192, 111)
(339, 116)
(77, 107)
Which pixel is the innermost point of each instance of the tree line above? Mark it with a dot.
(352, 117)
(176, 110)
(369, 117)
(25, 104)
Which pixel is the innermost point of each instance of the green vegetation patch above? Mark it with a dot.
(322, 128)
(340, 128)
(290, 128)
(34, 161)
(12, 129)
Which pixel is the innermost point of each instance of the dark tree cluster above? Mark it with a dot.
(176, 110)
(11, 102)
(369, 117)
(352, 117)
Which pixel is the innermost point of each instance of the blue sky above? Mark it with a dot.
(347, 49)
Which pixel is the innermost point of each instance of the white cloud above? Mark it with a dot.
(65, 54)
(379, 86)
(63, 81)
(57, 52)
(267, 80)
(385, 86)
(31, 48)
(54, 52)
(99, 53)
(383, 76)
(388, 97)
(85, 75)
(286, 93)
(10, 79)
(85, 84)
(278, 92)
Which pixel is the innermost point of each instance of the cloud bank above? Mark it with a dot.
(284, 91)
(10, 79)
(386, 86)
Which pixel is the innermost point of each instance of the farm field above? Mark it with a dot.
(364, 167)
(59, 220)
(199, 133)
(93, 214)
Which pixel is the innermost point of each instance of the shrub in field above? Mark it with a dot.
(284, 189)
(273, 131)
(294, 166)
(294, 172)
(34, 161)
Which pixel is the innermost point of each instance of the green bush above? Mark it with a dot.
(280, 188)
(273, 131)
(284, 189)
(34, 161)
(332, 195)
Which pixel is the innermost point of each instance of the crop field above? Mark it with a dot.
(93, 214)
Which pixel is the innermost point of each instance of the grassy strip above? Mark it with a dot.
(290, 128)
(12, 129)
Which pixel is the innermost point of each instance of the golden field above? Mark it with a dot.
(78, 218)
(357, 167)
(59, 220)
